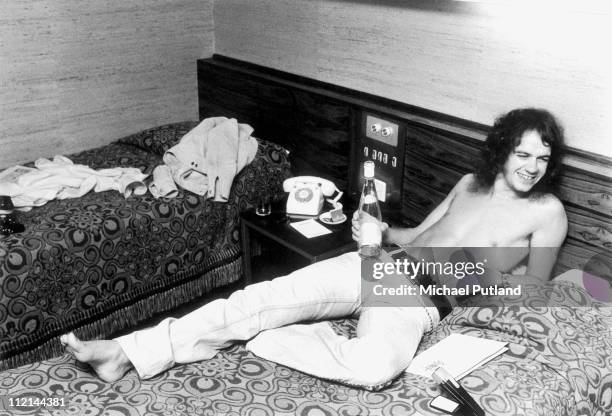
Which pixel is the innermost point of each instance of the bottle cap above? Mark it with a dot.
(6, 203)
(368, 169)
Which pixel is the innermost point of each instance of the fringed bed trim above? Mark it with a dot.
(135, 313)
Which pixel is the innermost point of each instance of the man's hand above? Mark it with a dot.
(493, 277)
(355, 229)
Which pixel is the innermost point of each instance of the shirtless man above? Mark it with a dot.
(506, 203)
(505, 214)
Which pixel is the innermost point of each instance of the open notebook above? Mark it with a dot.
(459, 354)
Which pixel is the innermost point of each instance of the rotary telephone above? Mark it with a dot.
(307, 194)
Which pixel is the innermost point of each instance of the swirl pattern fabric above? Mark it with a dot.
(559, 364)
(100, 263)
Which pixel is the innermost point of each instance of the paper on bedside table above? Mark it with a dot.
(459, 355)
(310, 228)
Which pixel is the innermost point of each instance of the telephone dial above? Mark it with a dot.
(308, 193)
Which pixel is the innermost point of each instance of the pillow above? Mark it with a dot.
(556, 326)
(159, 139)
(599, 288)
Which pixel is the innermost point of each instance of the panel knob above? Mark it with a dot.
(387, 131)
(375, 128)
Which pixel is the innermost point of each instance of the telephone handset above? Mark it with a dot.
(307, 194)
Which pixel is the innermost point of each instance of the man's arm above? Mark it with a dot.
(403, 236)
(544, 248)
(546, 240)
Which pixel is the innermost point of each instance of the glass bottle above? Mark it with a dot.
(370, 234)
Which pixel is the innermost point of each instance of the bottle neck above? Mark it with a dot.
(368, 179)
(368, 184)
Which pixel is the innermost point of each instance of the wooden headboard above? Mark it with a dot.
(320, 124)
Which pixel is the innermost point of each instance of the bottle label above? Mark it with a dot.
(370, 234)
(369, 199)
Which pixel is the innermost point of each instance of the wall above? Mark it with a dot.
(75, 74)
(473, 60)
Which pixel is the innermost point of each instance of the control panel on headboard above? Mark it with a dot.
(380, 139)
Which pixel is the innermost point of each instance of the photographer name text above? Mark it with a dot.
(444, 290)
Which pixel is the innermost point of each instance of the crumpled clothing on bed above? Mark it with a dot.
(209, 156)
(60, 178)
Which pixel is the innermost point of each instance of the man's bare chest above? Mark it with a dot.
(492, 222)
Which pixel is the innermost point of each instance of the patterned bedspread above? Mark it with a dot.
(559, 363)
(101, 263)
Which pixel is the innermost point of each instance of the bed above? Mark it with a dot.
(102, 263)
(550, 369)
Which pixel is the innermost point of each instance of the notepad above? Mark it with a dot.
(459, 354)
(310, 228)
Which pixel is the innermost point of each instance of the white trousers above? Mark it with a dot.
(386, 339)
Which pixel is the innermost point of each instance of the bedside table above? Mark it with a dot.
(276, 227)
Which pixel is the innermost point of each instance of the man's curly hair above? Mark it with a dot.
(506, 135)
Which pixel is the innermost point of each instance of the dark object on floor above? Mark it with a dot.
(9, 224)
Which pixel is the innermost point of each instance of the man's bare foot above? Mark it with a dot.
(106, 357)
